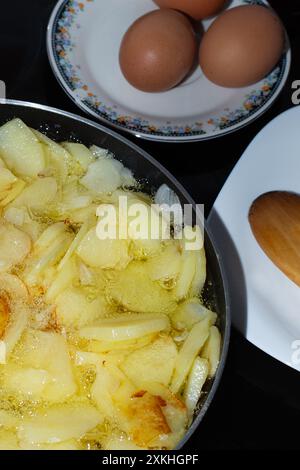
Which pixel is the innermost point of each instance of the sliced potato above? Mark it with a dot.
(146, 419)
(8, 440)
(15, 245)
(99, 152)
(85, 214)
(74, 203)
(33, 229)
(115, 199)
(77, 240)
(59, 423)
(119, 441)
(80, 153)
(122, 396)
(196, 380)
(39, 263)
(106, 384)
(25, 381)
(10, 195)
(212, 350)
(126, 345)
(152, 363)
(36, 350)
(143, 295)
(7, 179)
(49, 236)
(74, 197)
(87, 276)
(200, 273)
(20, 149)
(83, 358)
(4, 315)
(66, 445)
(40, 192)
(58, 159)
(111, 391)
(175, 413)
(166, 266)
(62, 280)
(188, 352)
(15, 312)
(17, 216)
(186, 275)
(102, 253)
(146, 229)
(2, 352)
(75, 309)
(17, 324)
(191, 312)
(128, 180)
(125, 327)
(9, 419)
(102, 176)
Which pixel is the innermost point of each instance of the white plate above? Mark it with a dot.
(83, 43)
(265, 303)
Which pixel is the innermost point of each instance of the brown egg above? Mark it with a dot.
(158, 51)
(242, 46)
(197, 9)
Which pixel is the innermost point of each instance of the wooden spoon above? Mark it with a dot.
(275, 221)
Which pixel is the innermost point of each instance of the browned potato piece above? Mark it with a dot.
(4, 315)
(147, 420)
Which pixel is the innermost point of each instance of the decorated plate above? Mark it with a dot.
(83, 43)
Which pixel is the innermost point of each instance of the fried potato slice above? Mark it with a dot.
(23, 381)
(80, 153)
(14, 313)
(191, 312)
(212, 350)
(103, 254)
(20, 149)
(188, 352)
(9, 419)
(75, 310)
(200, 274)
(48, 351)
(118, 442)
(175, 412)
(133, 289)
(59, 423)
(15, 245)
(195, 382)
(8, 440)
(40, 192)
(146, 418)
(125, 327)
(66, 445)
(4, 315)
(152, 363)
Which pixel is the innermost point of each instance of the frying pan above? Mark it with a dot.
(62, 126)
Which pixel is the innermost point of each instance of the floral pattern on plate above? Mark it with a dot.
(68, 17)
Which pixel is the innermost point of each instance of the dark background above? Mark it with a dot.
(258, 403)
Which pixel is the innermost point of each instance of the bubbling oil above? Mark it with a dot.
(92, 344)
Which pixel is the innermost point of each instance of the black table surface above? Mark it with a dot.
(257, 405)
